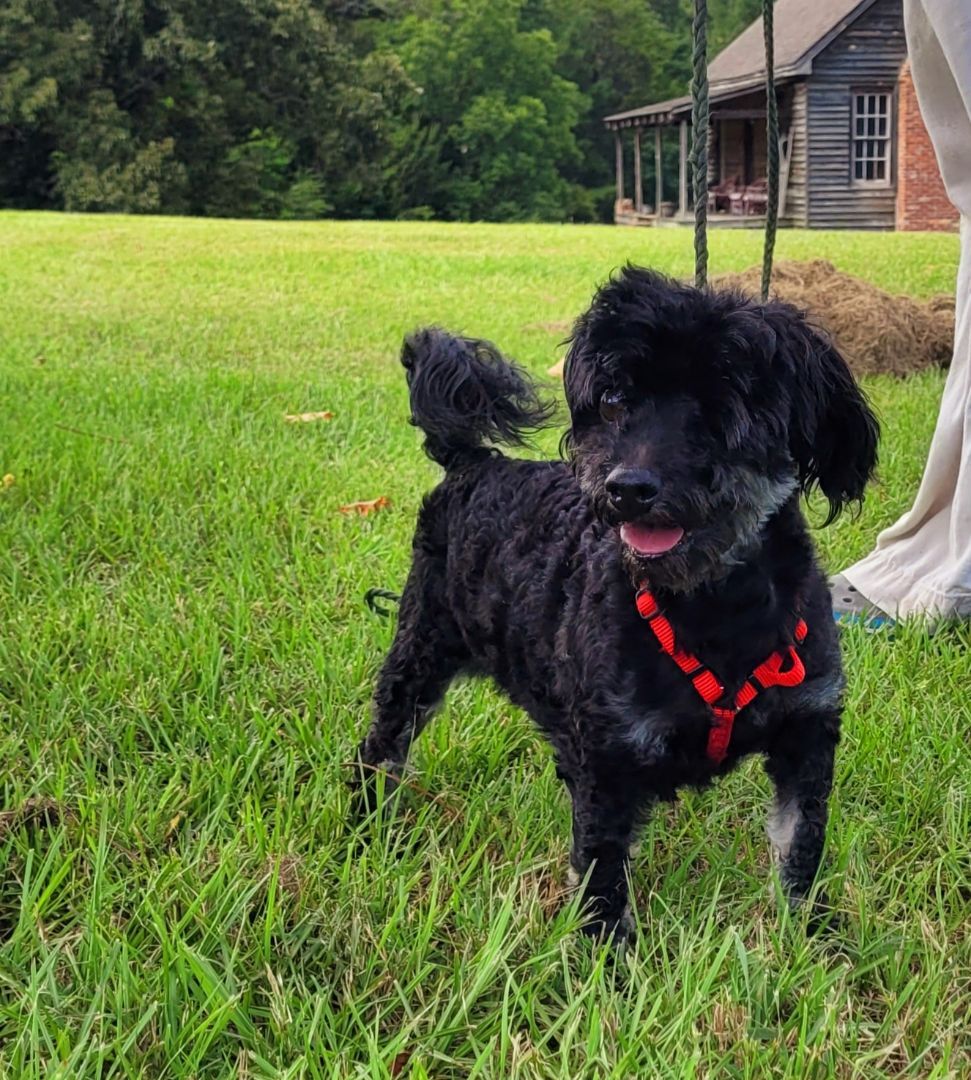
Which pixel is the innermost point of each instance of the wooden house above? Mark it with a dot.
(854, 150)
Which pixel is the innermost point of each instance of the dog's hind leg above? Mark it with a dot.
(427, 653)
(802, 772)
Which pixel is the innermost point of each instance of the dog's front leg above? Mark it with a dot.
(606, 813)
(801, 768)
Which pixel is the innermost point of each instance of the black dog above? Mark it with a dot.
(657, 608)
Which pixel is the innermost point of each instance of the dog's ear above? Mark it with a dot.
(580, 370)
(833, 433)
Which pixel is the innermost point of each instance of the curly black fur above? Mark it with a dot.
(698, 418)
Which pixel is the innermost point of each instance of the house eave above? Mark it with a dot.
(666, 113)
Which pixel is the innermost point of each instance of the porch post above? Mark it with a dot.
(638, 186)
(658, 191)
(683, 169)
(785, 156)
(619, 163)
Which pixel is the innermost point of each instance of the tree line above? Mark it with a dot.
(445, 109)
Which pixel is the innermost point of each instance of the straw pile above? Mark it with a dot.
(877, 332)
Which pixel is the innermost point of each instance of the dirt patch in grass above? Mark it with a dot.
(877, 332)
(34, 813)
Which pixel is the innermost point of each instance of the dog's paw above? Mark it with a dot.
(821, 917)
(372, 785)
(616, 931)
(816, 913)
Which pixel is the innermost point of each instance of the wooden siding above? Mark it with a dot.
(731, 163)
(867, 55)
(732, 150)
(793, 113)
(728, 147)
(729, 121)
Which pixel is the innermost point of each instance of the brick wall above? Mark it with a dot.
(922, 203)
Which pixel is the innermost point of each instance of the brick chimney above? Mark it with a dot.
(922, 202)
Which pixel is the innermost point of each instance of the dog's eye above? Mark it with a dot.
(612, 406)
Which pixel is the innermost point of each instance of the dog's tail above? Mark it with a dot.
(466, 396)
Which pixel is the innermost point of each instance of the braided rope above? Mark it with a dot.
(699, 147)
(771, 149)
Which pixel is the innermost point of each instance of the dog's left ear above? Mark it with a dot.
(833, 433)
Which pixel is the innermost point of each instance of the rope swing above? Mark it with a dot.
(699, 143)
(771, 149)
(700, 114)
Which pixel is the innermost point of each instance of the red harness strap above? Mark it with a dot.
(769, 673)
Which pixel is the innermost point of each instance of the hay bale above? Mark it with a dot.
(877, 332)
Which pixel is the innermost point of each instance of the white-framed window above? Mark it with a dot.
(871, 137)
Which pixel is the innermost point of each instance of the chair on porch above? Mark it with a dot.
(755, 199)
(720, 194)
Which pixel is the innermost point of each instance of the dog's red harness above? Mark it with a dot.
(769, 673)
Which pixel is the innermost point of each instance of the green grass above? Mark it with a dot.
(185, 666)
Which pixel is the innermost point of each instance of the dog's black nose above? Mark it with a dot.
(632, 491)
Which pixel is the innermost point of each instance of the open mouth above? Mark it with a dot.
(650, 541)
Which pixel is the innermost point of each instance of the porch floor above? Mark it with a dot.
(720, 220)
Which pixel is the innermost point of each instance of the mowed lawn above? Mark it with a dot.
(186, 663)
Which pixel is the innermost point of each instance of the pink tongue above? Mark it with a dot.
(647, 541)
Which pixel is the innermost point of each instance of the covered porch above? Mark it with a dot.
(736, 161)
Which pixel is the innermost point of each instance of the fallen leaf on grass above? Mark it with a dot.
(397, 1066)
(174, 823)
(557, 369)
(366, 506)
(307, 417)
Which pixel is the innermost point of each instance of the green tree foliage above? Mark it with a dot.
(624, 54)
(504, 117)
(257, 107)
(455, 109)
(729, 18)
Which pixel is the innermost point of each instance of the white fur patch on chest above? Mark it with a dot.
(646, 735)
